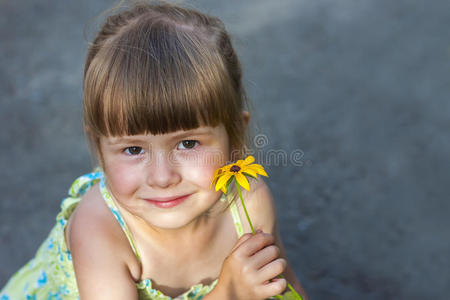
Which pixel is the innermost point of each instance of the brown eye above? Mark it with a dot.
(134, 150)
(188, 144)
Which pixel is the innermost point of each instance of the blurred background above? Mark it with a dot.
(354, 94)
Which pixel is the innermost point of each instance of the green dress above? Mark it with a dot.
(50, 274)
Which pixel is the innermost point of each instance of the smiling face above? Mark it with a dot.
(179, 73)
(146, 172)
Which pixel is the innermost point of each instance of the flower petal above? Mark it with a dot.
(217, 172)
(240, 163)
(227, 167)
(249, 160)
(242, 181)
(223, 180)
(249, 171)
(216, 175)
(258, 169)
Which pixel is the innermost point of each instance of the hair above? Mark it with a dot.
(158, 68)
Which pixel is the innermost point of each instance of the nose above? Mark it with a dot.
(161, 171)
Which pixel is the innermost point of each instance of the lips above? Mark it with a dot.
(167, 202)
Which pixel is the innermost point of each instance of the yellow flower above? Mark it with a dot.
(238, 170)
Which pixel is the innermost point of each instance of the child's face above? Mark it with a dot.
(144, 171)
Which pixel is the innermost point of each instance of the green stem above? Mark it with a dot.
(243, 205)
(292, 289)
(253, 231)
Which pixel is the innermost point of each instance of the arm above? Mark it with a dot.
(98, 257)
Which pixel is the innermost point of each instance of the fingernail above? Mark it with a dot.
(259, 231)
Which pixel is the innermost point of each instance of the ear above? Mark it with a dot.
(246, 118)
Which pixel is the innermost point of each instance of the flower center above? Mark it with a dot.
(235, 168)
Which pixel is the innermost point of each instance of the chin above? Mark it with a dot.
(170, 221)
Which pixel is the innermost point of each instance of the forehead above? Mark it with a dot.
(218, 132)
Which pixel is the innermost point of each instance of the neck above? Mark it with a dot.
(202, 228)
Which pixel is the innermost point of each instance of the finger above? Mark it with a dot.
(264, 256)
(271, 270)
(275, 287)
(241, 240)
(258, 242)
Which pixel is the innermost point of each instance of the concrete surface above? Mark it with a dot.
(355, 92)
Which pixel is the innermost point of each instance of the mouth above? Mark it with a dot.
(167, 202)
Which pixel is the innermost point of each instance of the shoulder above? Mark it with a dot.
(95, 238)
(260, 206)
(91, 219)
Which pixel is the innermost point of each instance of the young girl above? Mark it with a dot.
(164, 107)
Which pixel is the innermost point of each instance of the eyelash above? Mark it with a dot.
(126, 150)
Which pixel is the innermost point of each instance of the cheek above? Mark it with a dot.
(201, 175)
(201, 169)
(122, 180)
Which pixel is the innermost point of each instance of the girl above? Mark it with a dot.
(163, 108)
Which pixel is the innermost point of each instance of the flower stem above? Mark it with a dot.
(292, 289)
(243, 205)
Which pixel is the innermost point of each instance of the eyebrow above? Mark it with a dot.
(196, 131)
(136, 139)
(123, 140)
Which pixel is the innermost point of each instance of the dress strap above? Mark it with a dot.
(76, 191)
(84, 182)
(236, 217)
(112, 206)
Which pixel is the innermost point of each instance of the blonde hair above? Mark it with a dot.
(158, 68)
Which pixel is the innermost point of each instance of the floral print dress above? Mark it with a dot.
(50, 274)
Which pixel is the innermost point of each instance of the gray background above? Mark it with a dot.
(358, 88)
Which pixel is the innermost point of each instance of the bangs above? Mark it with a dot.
(157, 77)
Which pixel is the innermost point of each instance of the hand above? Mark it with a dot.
(250, 271)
